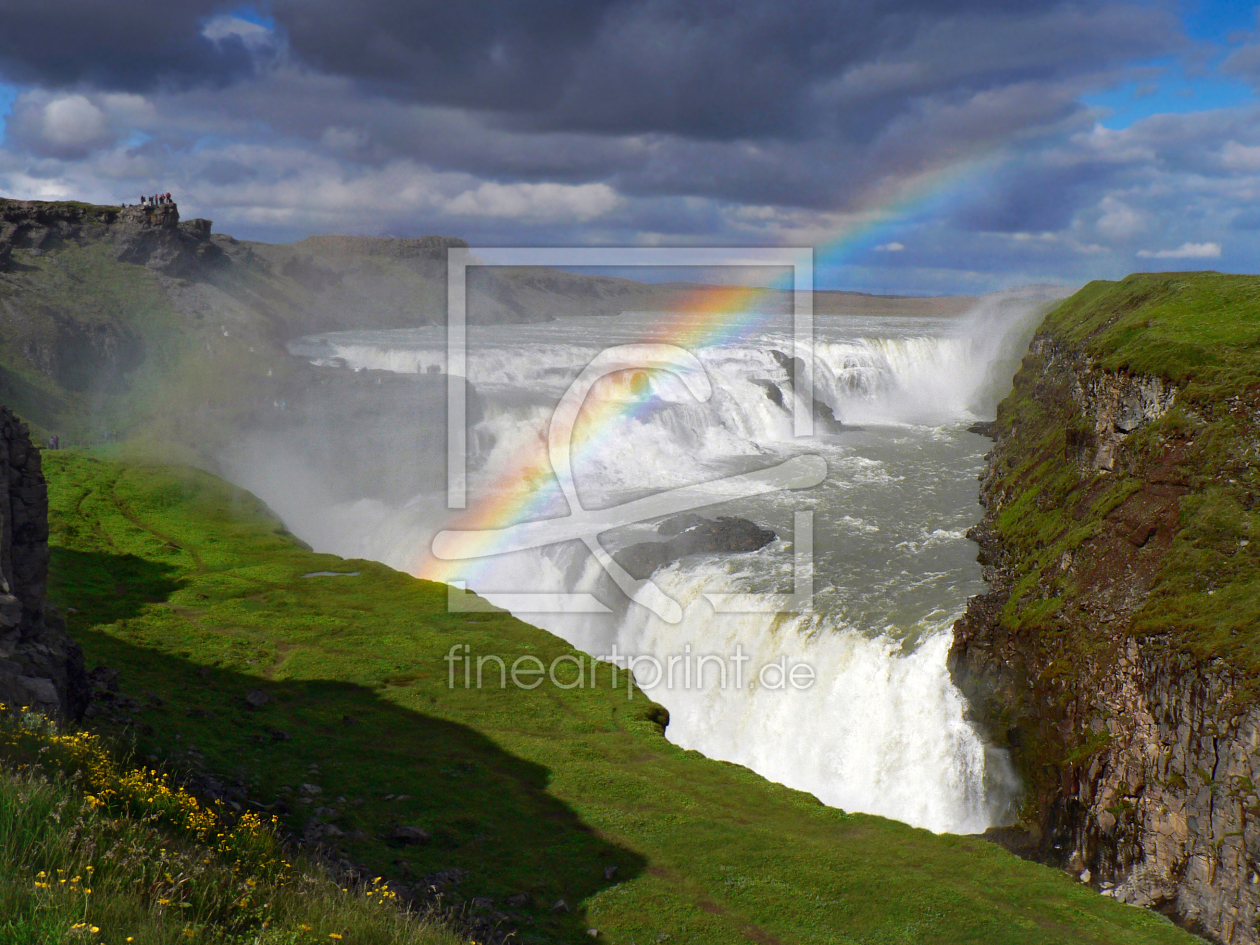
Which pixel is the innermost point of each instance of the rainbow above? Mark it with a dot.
(711, 315)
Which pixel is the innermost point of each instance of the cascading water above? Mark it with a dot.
(881, 729)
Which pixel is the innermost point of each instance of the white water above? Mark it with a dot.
(882, 729)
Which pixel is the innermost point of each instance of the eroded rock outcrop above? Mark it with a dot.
(40, 666)
(151, 236)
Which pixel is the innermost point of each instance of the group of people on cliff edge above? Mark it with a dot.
(155, 200)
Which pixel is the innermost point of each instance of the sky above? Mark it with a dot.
(923, 146)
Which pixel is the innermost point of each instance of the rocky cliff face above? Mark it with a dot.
(148, 236)
(1140, 754)
(40, 666)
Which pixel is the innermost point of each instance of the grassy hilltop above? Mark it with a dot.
(197, 597)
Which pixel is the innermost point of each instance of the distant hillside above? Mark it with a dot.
(117, 320)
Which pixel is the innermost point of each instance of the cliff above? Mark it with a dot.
(40, 667)
(147, 236)
(1116, 653)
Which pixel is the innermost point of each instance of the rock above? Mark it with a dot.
(610, 872)
(40, 666)
(257, 699)
(593, 933)
(406, 836)
(984, 428)
(823, 414)
(691, 534)
(519, 900)
(331, 813)
(10, 611)
(442, 880)
(311, 790)
(773, 392)
(482, 902)
(560, 906)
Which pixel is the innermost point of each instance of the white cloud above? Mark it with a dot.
(72, 122)
(1119, 220)
(1185, 251)
(253, 35)
(1240, 157)
(893, 247)
(74, 125)
(581, 202)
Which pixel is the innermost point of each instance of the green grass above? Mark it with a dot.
(188, 588)
(102, 853)
(1198, 329)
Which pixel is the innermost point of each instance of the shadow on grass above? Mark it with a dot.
(377, 765)
(110, 586)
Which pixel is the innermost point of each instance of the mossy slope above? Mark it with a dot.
(1183, 491)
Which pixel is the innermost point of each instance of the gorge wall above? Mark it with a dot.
(1114, 654)
(40, 667)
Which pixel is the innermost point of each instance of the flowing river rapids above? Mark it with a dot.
(882, 728)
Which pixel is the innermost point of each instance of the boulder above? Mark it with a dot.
(692, 534)
(406, 836)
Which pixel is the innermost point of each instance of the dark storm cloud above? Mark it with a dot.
(130, 46)
(719, 69)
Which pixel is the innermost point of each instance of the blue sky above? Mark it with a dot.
(8, 94)
(978, 144)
